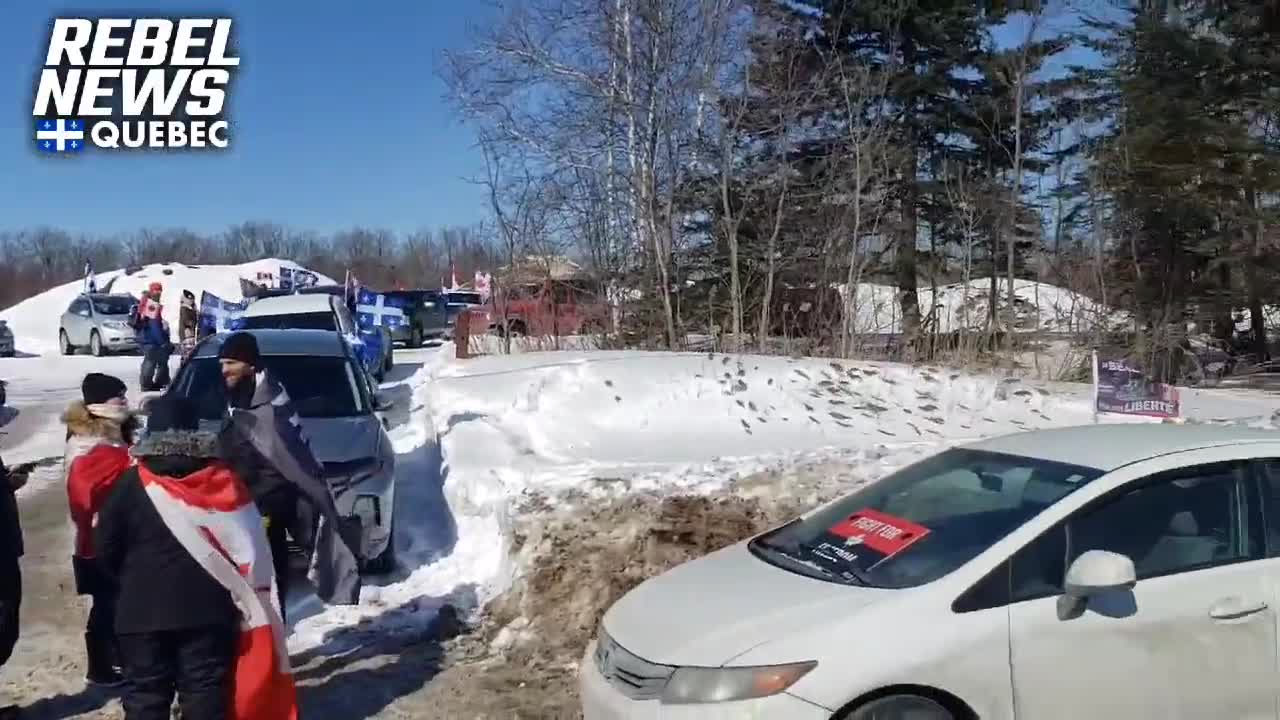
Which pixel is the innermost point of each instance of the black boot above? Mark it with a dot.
(102, 670)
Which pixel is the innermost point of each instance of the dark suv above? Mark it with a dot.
(426, 315)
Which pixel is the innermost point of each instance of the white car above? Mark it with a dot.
(1108, 571)
(318, 311)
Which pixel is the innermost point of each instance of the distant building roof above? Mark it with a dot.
(534, 268)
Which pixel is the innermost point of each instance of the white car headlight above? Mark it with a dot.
(115, 325)
(711, 685)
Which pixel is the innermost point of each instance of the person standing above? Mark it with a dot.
(100, 428)
(188, 320)
(196, 616)
(263, 441)
(153, 338)
(10, 570)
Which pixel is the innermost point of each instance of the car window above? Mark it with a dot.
(112, 305)
(923, 521)
(320, 387)
(1270, 469)
(79, 306)
(299, 321)
(1172, 523)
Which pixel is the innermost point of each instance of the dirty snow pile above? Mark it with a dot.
(1038, 307)
(35, 321)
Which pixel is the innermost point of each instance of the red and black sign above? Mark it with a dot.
(864, 539)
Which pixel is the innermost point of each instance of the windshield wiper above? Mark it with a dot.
(789, 556)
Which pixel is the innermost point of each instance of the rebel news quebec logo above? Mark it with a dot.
(127, 84)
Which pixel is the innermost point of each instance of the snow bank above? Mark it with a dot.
(556, 420)
(35, 321)
(556, 429)
(1039, 307)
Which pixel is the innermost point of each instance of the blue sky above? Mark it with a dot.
(339, 120)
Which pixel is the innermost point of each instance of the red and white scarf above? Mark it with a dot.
(213, 516)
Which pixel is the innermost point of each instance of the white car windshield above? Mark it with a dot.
(923, 521)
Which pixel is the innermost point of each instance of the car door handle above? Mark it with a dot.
(1235, 608)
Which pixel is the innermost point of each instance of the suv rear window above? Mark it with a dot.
(300, 321)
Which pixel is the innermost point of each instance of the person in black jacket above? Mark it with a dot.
(10, 571)
(176, 625)
(277, 499)
(265, 445)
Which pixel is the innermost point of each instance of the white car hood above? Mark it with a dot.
(343, 439)
(710, 610)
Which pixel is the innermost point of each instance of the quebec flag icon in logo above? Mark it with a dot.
(60, 135)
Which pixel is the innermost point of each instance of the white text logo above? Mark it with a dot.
(134, 83)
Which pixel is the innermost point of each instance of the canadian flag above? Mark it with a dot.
(213, 516)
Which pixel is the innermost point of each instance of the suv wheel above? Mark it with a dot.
(64, 343)
(95, 344)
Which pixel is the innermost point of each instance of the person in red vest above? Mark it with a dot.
(100, 429)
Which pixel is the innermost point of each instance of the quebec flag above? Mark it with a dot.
(217, 315)
(60, 135)
(377, 310)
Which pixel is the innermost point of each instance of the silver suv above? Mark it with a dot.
(99, 322)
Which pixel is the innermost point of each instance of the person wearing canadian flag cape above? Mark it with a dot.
(197, 615)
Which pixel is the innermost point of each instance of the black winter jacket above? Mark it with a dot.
(10, 523)
(161, 586)
(272, 492)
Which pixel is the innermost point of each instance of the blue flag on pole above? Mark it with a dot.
(217, 315)
(377, 310)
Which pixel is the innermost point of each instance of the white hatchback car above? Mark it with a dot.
(1108, 571)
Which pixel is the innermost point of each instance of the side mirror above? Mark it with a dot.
(1094, 573)
(382, 402)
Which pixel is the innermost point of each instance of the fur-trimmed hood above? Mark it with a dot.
(103, 422)
(196, 444)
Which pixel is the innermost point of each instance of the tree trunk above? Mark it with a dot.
(905, 261)
(771, 251)
(849, 311)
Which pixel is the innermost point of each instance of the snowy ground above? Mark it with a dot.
(536, 488)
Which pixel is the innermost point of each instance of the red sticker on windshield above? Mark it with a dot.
(886, 534)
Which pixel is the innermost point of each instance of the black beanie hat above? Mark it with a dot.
(241, 346)
(98, 388)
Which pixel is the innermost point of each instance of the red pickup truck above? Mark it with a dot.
(553, 307)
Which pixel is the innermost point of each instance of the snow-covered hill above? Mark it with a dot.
(1040, 307)
(35, 321)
